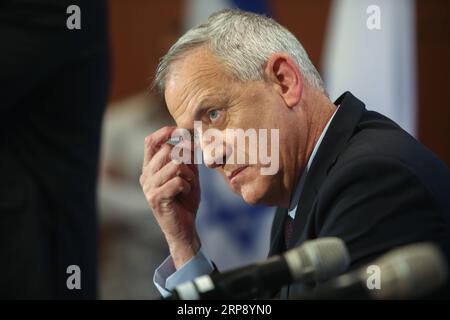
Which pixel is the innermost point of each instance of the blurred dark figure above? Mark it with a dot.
(53, 90)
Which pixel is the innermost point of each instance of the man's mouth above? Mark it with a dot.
(231, 175)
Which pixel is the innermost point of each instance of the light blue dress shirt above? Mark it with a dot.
(166, 277)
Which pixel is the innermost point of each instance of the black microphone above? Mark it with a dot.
(409, 272)
(313, 261)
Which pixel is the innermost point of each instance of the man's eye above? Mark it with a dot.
(213, 115)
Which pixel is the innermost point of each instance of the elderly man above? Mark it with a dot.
(343, 171)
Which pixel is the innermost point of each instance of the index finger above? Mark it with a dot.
(153, 141)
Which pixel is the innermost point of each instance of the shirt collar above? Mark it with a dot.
(299, 187)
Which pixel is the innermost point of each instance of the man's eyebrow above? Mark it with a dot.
(200, 109)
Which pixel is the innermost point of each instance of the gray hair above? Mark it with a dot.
(243, 42)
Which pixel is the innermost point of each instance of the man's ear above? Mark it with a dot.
(284, 74)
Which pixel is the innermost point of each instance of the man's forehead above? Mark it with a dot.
(190, 82)
(193, 66)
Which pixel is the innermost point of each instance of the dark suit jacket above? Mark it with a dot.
(372, 185)
(53, 89)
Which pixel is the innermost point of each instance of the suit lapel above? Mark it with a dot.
(277, 236)
(341, 129)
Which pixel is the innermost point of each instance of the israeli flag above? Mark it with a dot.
(370, 49)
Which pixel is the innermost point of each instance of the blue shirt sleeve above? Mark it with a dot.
(166, 277)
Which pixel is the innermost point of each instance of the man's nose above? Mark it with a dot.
(216, 154)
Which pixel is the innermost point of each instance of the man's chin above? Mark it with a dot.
(251, 200)
(252, 196)
(253, 192)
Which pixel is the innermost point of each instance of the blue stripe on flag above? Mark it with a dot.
(257, 6)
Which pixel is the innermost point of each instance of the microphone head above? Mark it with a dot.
(318, 260)
(410, 272)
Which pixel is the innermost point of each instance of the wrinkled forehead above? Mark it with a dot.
(193, 80)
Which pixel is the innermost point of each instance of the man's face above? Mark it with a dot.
(199, 89)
